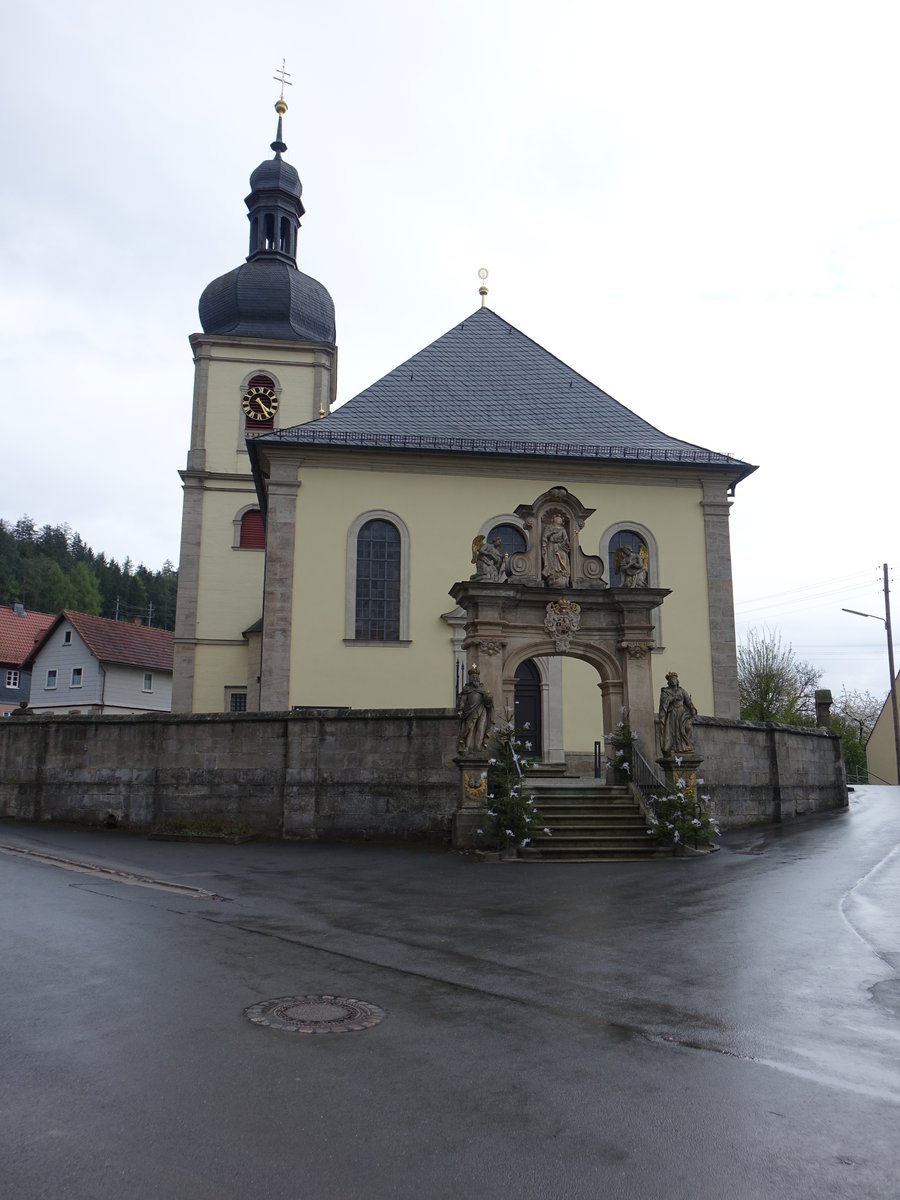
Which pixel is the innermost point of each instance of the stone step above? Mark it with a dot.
(586, 854)
(592, 829)
(588, 822)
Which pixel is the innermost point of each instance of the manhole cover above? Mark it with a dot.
(315, 1014)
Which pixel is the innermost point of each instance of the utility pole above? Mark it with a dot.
(890, 642)
(890, 648)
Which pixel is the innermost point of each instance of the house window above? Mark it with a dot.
(253, 531)
(148, 681)
(67, 638)
(12, 679)
(50, 684)
(237, 702)
(76, 677)
(378, 582)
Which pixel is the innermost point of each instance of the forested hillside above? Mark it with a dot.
(52, 568)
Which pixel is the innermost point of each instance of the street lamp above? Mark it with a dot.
(886, 620)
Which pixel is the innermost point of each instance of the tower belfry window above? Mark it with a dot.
(270, 231)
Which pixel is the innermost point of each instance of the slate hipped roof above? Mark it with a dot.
(486, 388)
(117, 642)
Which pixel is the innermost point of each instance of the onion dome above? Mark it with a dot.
(267, 296)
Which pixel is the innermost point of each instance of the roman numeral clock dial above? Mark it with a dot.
(259, 403)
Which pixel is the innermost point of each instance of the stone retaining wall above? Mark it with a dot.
(759, 771)
(315, 773)
(341, 773)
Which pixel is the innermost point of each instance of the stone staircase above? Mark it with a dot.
(589, 822)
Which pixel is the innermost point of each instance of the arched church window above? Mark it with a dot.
(512, 539)
(378, 582)
(253, 531)
(377, 607)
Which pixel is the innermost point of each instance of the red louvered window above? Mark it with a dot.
(253, 531)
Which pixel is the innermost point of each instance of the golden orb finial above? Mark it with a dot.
(482, 291)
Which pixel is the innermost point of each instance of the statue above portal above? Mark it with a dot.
(556, 563)
(676, 713)
(631, 565)
(489, 559)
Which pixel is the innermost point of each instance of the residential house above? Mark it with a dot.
(87, 664)
(19, 631)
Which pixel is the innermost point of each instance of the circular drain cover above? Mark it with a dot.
(315, 1014)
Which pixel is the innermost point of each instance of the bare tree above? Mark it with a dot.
(774, 684)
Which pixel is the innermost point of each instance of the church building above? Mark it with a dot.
(320, 545)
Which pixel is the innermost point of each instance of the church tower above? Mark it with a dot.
(266, 360)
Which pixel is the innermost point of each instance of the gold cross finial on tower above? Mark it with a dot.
(282, 76)
(482, 291)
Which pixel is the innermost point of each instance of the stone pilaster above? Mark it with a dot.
(278, 591)
(186, 605)
(716, 505)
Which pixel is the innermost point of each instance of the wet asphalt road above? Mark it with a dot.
(727, 1027)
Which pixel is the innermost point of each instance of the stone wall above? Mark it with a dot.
(759, 771)
(325, 773)
(315, 773)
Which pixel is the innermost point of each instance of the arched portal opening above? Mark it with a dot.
(561, 699)
(527, 706)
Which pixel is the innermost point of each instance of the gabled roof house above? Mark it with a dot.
(88, 664)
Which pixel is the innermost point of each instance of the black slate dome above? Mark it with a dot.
(267, 297)
(274, 174)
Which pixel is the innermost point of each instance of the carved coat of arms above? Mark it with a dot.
(562, 620)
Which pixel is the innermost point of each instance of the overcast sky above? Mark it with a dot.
(696, 205)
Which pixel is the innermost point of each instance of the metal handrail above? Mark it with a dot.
(644, 777)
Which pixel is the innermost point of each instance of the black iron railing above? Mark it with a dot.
(481, 445)
(643, 775)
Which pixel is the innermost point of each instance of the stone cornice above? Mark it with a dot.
(678, 475)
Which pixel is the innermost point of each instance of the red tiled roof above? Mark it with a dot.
(119, 642)
(19, 633)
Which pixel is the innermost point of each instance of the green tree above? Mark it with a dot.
(45, 587)
(774, 684)
(84, 590)
(853, 716)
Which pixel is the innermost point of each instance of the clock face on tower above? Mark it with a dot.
(259, 403)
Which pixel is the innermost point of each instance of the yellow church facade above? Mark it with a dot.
(319, 545)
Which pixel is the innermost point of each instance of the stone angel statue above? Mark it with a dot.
(489, 559)
(632, 565)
